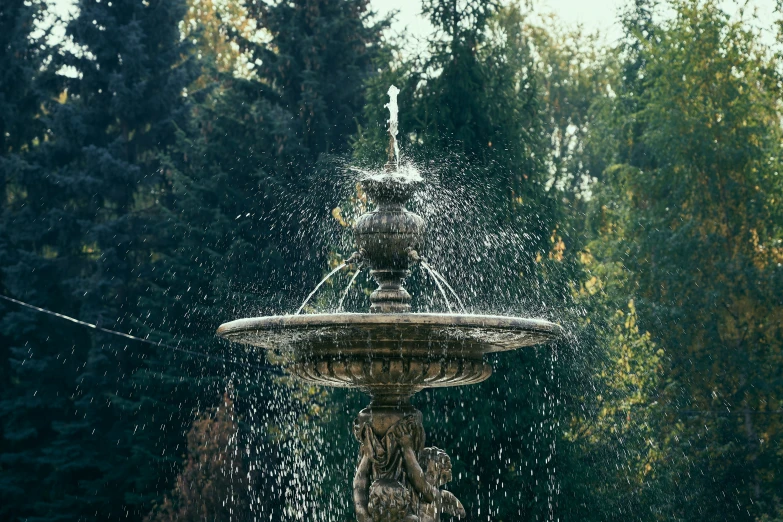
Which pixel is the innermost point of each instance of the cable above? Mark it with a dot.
(134, 338)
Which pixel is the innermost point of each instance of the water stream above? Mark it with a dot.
(325, 279)
(443, 280)
(437, 283)
(347, 289)
(393, 122)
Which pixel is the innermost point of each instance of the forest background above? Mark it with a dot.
(166, 166)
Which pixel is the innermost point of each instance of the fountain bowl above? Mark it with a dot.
(390, 354)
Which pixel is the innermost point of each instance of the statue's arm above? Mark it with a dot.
(361, 488)
(416, 476)
(450, 504)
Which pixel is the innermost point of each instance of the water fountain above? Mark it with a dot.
(391, 354)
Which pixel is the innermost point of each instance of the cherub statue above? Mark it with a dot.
(427, 482)
(390, 501)
(380, 493)
(437, 472)
(391, 485)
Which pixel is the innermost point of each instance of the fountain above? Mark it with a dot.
(391, 354)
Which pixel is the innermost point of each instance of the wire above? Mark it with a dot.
(158, 344)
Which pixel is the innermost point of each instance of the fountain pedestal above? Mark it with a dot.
(398, 479)
(392, 354)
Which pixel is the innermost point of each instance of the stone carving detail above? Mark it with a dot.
(398, 479)
(410, 373)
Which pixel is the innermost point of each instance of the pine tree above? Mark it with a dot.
(471, 118)
(77, 236)
(323, 53)
(25, 83)
(27, 91)
(26, 88)
(248, 211)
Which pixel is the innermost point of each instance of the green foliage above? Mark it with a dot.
(73, 237)
(323, 51)
(25, 84)
(243, 175)
(162, 185)
(573, 73)
(692, 212)
(471, 117)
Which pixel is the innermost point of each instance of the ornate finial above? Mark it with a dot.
(386, 235)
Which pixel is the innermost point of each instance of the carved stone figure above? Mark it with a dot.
(437, 466)
(398, 479)
(390, 501)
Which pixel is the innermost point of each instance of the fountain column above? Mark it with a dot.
(398, 479)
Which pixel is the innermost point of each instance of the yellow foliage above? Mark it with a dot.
(91, 250)
(558, 250)
(337, 214)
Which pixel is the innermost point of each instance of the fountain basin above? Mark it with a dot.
(390, 354)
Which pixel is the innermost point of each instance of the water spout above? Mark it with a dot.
(347, 289)
(393, 124)
(443, 280)
(325, 279)
(437, 283)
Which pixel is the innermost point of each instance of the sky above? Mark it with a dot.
(593, 15)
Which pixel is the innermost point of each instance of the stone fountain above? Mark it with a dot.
(391, 354)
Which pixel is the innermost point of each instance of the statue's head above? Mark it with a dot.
(436, 465)
(388, 502)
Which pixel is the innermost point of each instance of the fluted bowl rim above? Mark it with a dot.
(516, 332)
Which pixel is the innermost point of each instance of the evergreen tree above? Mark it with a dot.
(25, 83)
(323, 52)
(248, 210)
(27, 87)
(472, 119)
(75, 238)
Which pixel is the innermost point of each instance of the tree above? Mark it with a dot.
(471, 119)
(611, 442)
(324, 51)
(693, 216)
(26, 89)
(25, 83)
(574, 73)
(610, 375)
(247, 224)
(214, 481)
(74, 238)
